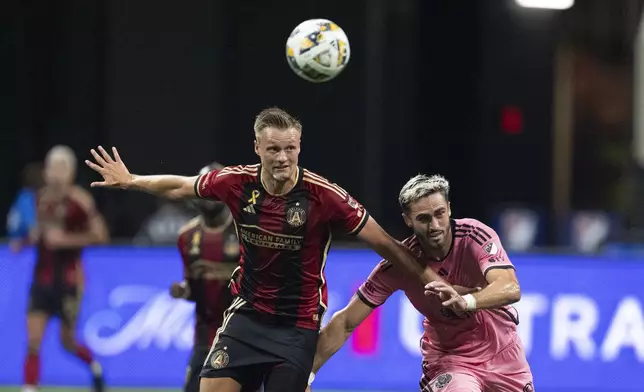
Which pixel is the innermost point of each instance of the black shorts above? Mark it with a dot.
(252, 350)
(63, 302)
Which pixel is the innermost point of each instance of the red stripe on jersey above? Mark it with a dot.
(60, 266)
(284, 241)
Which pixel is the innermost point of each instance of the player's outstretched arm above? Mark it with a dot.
(390, 249)
(116, 175)
(337, 331)
(502, 284)
(502, 289)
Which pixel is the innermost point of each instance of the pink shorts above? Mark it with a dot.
(508, 371)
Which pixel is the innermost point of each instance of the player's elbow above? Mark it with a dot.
(513, 292)
(349, 327)
(342, 322)
(102, 238)
(174, 194)
(183, 189)
(100, 234)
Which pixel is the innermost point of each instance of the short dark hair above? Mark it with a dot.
(275, 118)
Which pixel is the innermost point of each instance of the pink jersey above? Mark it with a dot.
(472, 338)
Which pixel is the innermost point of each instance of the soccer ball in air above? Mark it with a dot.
(317, 50)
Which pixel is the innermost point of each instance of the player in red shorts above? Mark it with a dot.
(470, 342)
(284, 215)
(209, 249)
(67, 221)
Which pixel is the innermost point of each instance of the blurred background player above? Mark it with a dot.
(21, 218)
(209, 249)
(461, 333)
(67, 221)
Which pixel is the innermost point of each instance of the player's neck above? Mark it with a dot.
(56, 191)
(278, 188)
(218, 221)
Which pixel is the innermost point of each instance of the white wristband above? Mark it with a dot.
(311, 378)
(470, 301)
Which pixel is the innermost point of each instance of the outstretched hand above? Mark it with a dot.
(448, 295)
(114, 172)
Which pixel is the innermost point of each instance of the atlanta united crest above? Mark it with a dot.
(219, 359)
(295, 216)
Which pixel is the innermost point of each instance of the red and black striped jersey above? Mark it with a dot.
(284, 239)
(209, 257)
(72, 214)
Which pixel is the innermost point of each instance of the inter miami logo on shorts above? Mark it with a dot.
(219, 359)
(296, 216)
(442, 380)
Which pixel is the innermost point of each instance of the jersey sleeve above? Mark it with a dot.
(343, 211)
(487, 250)
(215, 184)
(379, 286)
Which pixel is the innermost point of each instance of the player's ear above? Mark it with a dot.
(256, 147)
(406, 219)
(449, 208)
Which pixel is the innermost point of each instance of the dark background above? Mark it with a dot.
(175, 85)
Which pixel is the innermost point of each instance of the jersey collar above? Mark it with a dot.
(298, 182)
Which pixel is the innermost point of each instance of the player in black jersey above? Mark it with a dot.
(209, 250)
(284, 215)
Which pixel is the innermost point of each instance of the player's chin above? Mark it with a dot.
(282, 174)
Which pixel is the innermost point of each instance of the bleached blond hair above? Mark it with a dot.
(421, 186)
(62, 152)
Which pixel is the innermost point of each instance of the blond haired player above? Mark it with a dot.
(470, 343)
(67, 221)
(284, 215)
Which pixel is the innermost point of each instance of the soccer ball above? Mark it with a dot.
(317, 50)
